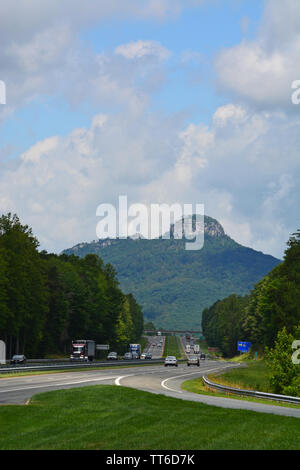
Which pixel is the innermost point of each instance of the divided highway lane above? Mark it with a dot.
(155, 379)
(168, 381)
(18, 390)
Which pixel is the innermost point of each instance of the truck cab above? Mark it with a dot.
(83, 350)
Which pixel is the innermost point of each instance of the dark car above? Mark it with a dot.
(18, 359)
(113, 356)
(148, 356)
(127, 355)
(202, 356)
(193, 361)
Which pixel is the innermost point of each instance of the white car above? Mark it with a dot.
(171, 361)
(143, 356)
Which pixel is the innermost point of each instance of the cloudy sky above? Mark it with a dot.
(164, 101)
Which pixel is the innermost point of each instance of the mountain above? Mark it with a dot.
(174, 285)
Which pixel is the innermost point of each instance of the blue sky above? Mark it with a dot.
(189, 87)
(163, 100)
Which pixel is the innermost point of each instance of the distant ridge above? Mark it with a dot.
(174, 285)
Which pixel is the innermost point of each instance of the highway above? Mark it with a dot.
(155, 379)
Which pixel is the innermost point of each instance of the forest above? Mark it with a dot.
(272, 306)
(48, 300)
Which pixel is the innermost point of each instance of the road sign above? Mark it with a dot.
(102, 347)
(2, 352)
(244, 346)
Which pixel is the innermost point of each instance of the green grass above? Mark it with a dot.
(253, 377)
(144, 342)
(110, 417)
(173, 347)
(197, 386)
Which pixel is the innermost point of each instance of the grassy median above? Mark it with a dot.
(173, 347)
(110, 417)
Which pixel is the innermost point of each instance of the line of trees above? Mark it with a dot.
(47, 300)
(274, 304)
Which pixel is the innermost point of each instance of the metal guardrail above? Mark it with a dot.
(251, 393)
(77, 365)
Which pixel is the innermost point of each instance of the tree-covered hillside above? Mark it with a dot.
(48, 300)
(174, 285)
(272, 306)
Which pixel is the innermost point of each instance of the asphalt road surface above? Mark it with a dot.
(155, 379)
(155, 346)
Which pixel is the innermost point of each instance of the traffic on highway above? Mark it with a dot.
(155, 378)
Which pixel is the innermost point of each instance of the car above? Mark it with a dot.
(193, 360)
(113, 356)
(171, 361)
(135, 355)
(127, 355)
(202, 356)
(153, 345)
(148, 356)
(18, 359)
(143, 356)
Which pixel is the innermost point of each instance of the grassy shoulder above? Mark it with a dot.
(110, 417)
(253, 377)
(197, 386)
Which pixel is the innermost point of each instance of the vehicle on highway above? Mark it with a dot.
(171, 361)
(127, 355)
(113, 356)
(202, 356)
(135, 356)
(196, 348)
(18, 359)
(148, 356)
(83, 350)
(193, 360)
(143, 355)
(188, 348)
(135, 349)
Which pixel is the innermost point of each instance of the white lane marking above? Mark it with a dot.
(57, 384)
(185, 375)
(117, 381)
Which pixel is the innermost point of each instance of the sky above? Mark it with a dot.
(164, 101)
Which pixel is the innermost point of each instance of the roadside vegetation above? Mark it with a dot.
(256, 376)
(109, 417)
(269, 318)
(46, 300)
(173, 347)
(197, 386)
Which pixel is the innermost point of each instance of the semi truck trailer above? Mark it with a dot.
(83, 350)
(135, 350)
